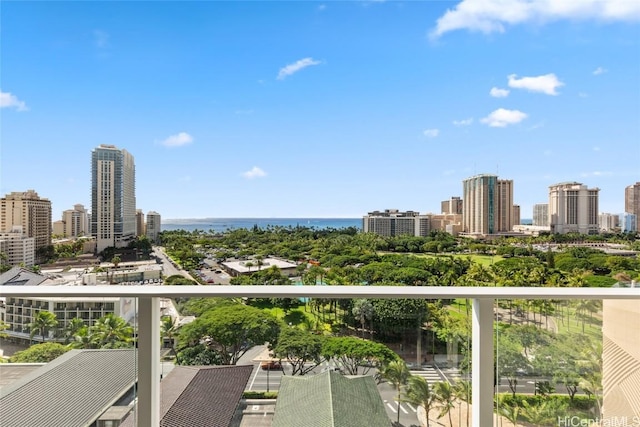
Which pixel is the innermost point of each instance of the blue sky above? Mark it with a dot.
(320, 109)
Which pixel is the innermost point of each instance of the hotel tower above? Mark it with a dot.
(487, 205)
(113, 199)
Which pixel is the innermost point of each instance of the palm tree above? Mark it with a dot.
(511, 413)
(82, 339)
(462, 392)
(168, 329)
(111, 331)
(445, 398)
(397, 374)
(362, 310)
(419, 394)
(72, 329)
(42, 322)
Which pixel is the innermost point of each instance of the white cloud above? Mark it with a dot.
(255, 172)
(536, 126)
(101, 38)
(596, 173)
(8, 100)
(177, 140)
(295, 67)
(501, 118)
(599, 71)
(499, 93)
(583, 94)
(463, 122)
(431, 133)
(488, 16)
(546, 84)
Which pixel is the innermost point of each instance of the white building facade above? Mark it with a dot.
(573, 208)
(113, 200)
(541, 215)
(18, 247)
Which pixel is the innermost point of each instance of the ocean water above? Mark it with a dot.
(223, 224)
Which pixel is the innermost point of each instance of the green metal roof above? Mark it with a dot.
(329, 399)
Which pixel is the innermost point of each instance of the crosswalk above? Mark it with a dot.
(429, 373)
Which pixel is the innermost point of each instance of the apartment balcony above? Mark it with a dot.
(482, 312)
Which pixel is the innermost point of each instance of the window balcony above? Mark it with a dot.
(482, 309)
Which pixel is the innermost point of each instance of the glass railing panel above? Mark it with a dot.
(567, 362)
(85, 365)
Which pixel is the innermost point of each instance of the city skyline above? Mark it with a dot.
(320, 109)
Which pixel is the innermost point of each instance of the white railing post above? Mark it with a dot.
(148, 408)
(482, 371)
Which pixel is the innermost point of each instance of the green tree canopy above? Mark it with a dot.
(302, 349)
(230, 330)
(353, 353)
(39, 353)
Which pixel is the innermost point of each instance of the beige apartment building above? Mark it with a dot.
(74, 223)
(573, 208)
(451, 206)
(608, 222)
(541, 215)
(487, 205)
(632, 202)
(153, 227)
(29, 211)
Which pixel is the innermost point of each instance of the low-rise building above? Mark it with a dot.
(238, 268)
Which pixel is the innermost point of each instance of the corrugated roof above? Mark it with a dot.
(18, 276)
(200, 396)
(329, 399)
(73, 390)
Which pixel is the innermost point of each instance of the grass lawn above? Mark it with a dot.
(485, 260)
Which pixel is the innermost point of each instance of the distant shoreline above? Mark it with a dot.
(248, 218)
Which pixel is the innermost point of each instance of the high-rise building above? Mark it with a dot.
(29, 211)
(632, 202)
(451, 206)
(628, 222)
(573, 208)
(113, 199)
(516, 215)
(487, 205)
(139, 222)
(75, 221)
(541, 215)
(608, 222)
(153, 226)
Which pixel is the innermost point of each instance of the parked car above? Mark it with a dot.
(271, 365)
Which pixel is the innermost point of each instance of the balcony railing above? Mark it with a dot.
(482, 298)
